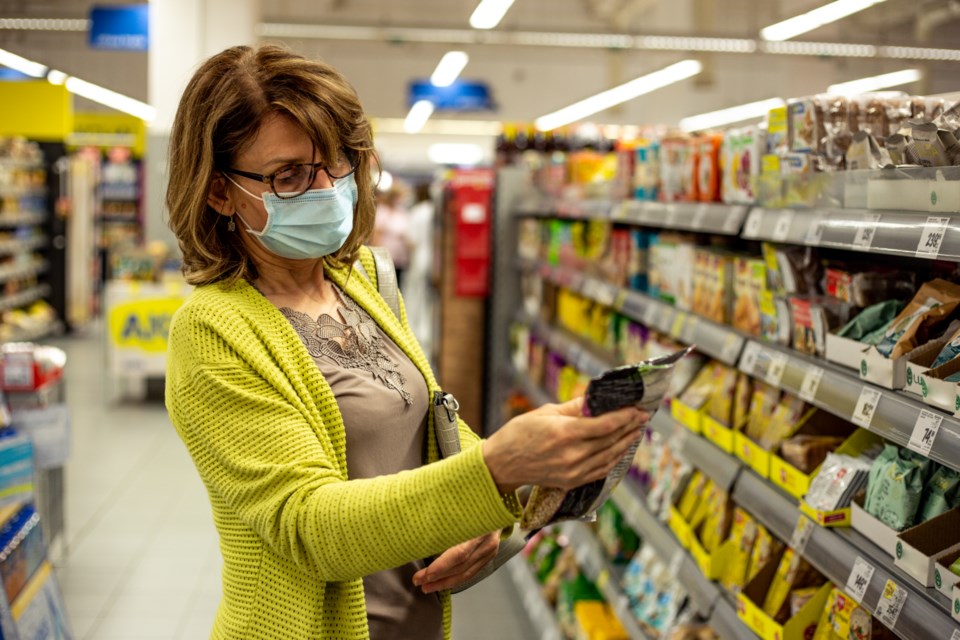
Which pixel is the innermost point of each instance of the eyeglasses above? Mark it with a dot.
(295, 179)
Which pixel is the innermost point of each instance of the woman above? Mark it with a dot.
(301, 397)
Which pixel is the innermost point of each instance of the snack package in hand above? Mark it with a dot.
(642, 385)
(932, 305)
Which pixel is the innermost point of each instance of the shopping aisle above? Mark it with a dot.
(142, 560)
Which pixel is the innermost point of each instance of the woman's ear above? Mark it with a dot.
(218, 197)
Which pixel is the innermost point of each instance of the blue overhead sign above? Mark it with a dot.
(462, 95)
(121, 27)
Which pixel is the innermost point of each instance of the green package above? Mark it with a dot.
(895, 496)
(955, 567)
(879, 468)
(871, 324)
(941, 493)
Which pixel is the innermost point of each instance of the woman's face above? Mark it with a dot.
(279, 142)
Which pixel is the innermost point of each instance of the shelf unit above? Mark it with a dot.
(926, 612)
(539, 610)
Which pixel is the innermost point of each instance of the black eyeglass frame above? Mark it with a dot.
(314, 167)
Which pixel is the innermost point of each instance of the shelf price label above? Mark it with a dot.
(925, 431)
(866, 407)
(674, 567)
(620, 300)
(859, 579)
(748, 362)
(815, 231)
(890, 604)
(811, 383)
(670, 217)
(676, 329)
(699, 214)
(782, 229)
(604, 294)
(866, 231)
(801, 534)
(650, 314)
(778, 364)
(931, 238)
(752, 226)
(955, 635)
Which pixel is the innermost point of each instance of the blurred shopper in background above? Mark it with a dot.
(418, 285)
(392, 226)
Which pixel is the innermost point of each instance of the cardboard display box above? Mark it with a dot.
(944, 579)
(938, 392)
(872, 528)
(890, 373)
(918, 548)
(750, 608)
(719, 434)
(690, 417)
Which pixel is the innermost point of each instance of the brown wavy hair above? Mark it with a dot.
(219, 114)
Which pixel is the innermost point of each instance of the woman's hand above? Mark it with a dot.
(555, 446)
(458, 564)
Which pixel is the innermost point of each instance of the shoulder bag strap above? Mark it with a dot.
(386, 277)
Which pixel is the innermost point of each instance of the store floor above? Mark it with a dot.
(141, 559)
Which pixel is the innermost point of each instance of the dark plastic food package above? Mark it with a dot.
(642, 385)
(941, 493)
(934, 303)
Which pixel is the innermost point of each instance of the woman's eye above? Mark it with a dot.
(290, 175)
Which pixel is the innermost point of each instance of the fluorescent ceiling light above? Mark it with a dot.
(56, 77)
(606, 99)
(111, 99)
(489, 13)
(419, 114)
(730, 115)
(44, 24)
(449, 67)
(814, 19)
(17, 63)
(455, 154)
(883, 81)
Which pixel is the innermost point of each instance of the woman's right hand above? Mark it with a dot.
(555, 446)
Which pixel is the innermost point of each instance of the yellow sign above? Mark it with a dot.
(35, 109)
(109, 130)
(143, 324)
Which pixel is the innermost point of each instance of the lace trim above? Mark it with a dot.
(352, 344)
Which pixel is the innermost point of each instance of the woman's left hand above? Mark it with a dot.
(458, 564)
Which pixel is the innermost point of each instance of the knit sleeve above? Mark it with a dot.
(277, 471)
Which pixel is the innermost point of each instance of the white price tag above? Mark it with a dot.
(859, 579)
(748, 362)
(866, 231)
(890, 604)
(811, 383)
(699, 215)
(932, 237)
(778, 364)
(670, 219)
(782, 228)
(752, 226)
(866, 407)
(925, 431)
(955, 635)
(815, 232)
(604, 294)
(730, 349)
(674, 567)
(801, 534)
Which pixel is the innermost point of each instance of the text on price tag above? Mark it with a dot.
(866, 407)
(748, 362)
(891, 602)
(931, 238)
(866, 231)
(955, 635)
(815, 232)
(778, 364)
(801, 534)
(859, 579)
(782, 228)
(811, 383)
(925, 431)
(752, 227)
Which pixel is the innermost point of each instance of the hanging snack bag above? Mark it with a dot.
(642, 385)
(932, 305)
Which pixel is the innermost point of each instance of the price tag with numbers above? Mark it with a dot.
(778, 364)
(801, 534)
(782, 229)
(699, 215)
(748, 362)
(811, 383)
(925, 431)
(866, 407)
(859, 579)
(955, 635)
(931, 238)
(866, 231)
(674, 567)
(815, 232)
(890, 604)
(752, 226)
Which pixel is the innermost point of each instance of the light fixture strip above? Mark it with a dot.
(449, 67)
(815, 18)
(489, 13)
(873, 83)
(622, 93)
(110, 98)
(44, 24)
(21, 64)
(419, 113)
(730, 115)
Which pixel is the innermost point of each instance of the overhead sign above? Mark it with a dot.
(122, 27)
(462, 95)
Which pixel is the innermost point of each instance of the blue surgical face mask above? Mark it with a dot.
(312, 225)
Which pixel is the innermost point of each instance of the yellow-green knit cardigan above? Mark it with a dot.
(265, 433)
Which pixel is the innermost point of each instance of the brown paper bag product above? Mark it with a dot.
(931, 306)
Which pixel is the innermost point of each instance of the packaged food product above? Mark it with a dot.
(708, 167)
(741, 400)
(700, 390)
(673, 168)
(955, 567)
(712, 284)
(741, 153)
(813, 318)
(806, 452)
(597, 621)
(932, 305)
(949, 351)
(925, 147)
(793, 572)
(716, 525)
(642, 385)
(704, 505)
(778, 132)
(941, 493)
(749, 281)
(839, 479)
(868, 287)
(775, 323)
(805, 124)
(692, 495)
(871, 324)
(743, 532)
(764, 400)
(894, 489)
(865, 153)
(788, 416)
(722, 400)
(646, 178)
(800, 597)
(765, 547)
(618, 539)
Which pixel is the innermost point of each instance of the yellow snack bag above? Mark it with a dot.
(744, 533)
(703, 506)
(764, 547)
(692, 495)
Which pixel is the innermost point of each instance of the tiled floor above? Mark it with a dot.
(141, 557)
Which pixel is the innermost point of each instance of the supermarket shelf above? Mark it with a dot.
(839, 392)
(598, 569)
(24, 298)
(23, 192)
(925, 614)
(17, 272)
(24, 219)
(715, 340)
(719, 466)
(537, 395)
(36, 332)
(530, 592)
(595, 209)
(8, 247)
(716, 218)
(921, 235)
(578, 352)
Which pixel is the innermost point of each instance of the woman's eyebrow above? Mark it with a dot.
(282, 162)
